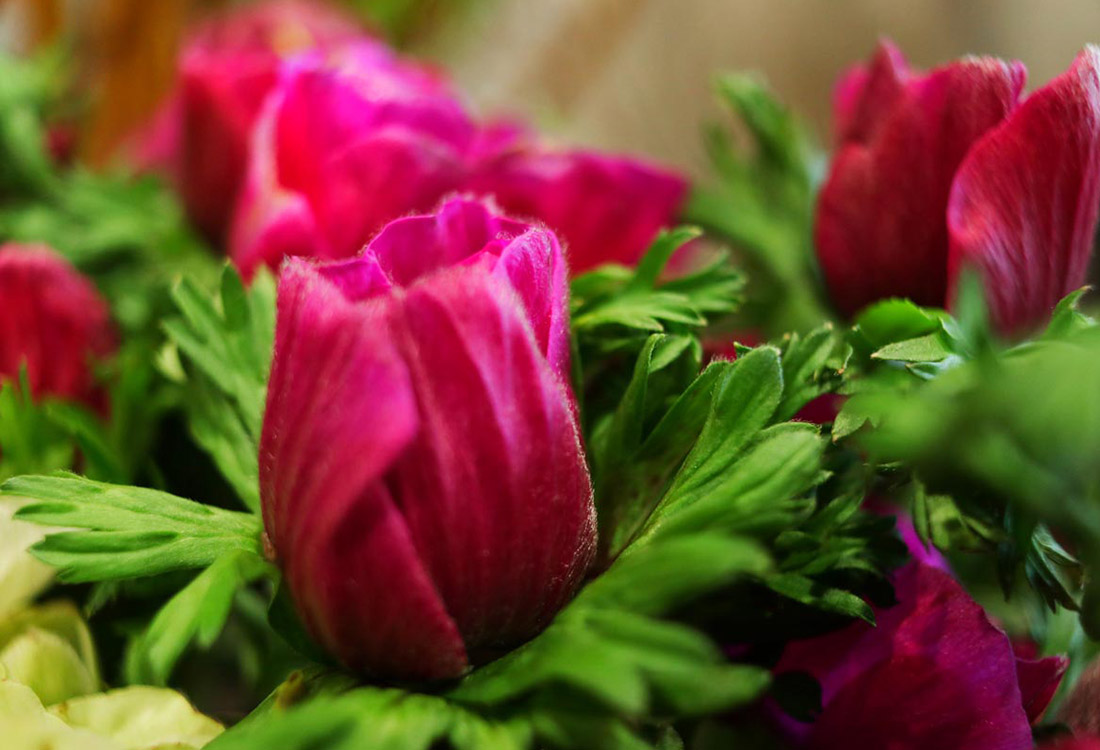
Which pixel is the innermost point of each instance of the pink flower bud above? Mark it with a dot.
(53, 322)
(939, 171)
(227, 67)
(423, 481)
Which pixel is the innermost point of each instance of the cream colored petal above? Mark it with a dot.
(141, 718)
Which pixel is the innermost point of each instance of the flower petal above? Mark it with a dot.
(934, 673)
(494, 488)
(1024, 205)
(606, 209)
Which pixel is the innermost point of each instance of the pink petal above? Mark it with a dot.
(606, 209)
(880, 227)
(935, 673)
(529, 258)
(494, 488)
(1024, 205)
(340, 411)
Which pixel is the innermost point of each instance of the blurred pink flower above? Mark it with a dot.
(421, 470)
(940, 171)
(347, 142)
(226, 69)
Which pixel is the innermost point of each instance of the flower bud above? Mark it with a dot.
(423, 482)
(53, 322)
(946, 170)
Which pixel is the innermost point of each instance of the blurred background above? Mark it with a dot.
(626, 75)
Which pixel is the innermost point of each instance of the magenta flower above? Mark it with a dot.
(935, 673)
(227, 67)
(607, 209)
(346, 143)
(53, 322)
(940, 171)
(421, 471)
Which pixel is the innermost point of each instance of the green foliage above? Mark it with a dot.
(762, 204)
(227, 345)
(197, 613)
(375, 718)
(616, 311)
(29, 440)
(997, 444)
(126, 532)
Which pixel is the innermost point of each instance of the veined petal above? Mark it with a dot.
(494, 487)
(1024, 205)
(465, 231)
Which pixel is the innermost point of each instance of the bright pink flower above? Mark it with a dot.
(935, 673)
(346, 143)
(226, 69)
(53, 321)
(607, 209)
(421, 470)
(938, 171)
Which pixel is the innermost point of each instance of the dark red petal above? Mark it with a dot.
(340, 411)
(880, 226)
(1024, 205)
(494, 487)
(935, 673)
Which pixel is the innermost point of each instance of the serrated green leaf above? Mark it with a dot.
(126, 532)
(227, 343)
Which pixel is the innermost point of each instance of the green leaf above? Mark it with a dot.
(762, 204)
(927, 348)
(197, 613)
(656, 578)
(641, 303)
(383, 718)
(227, 343)
(126, 532)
